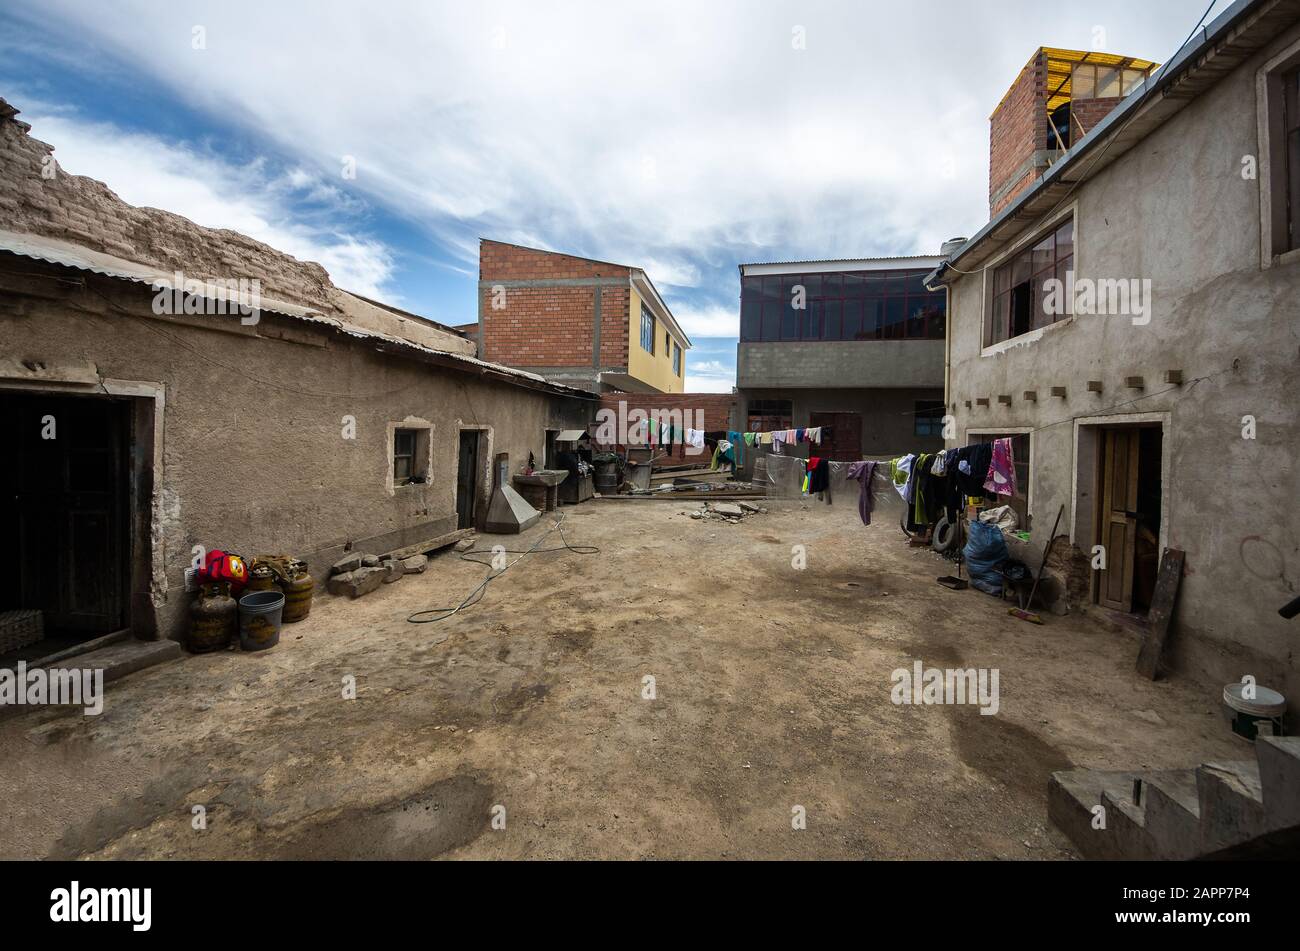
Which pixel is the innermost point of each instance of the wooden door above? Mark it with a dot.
(844, 442)
(1119, 500)
(64, 505)
(467, 478)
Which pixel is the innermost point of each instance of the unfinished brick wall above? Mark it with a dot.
(1017, 129)
(716, 411)
(83, 211)
(550, 326)
(1089, 112)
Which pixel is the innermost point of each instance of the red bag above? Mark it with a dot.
(225, 566)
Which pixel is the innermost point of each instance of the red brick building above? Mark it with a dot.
(591, 324)
(1057, 99)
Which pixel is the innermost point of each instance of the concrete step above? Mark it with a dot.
(1279, 776)
(1231, 802)
(1072, 796)
(116, 660)
(1173, 813)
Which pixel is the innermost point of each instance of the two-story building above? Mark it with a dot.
(853, 345)
(590, 324)
(1130, 317)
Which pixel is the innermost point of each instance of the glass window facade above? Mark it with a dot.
(844, 305)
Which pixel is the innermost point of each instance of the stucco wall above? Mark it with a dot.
(1175, 210)
(840, 363)
(253, 456)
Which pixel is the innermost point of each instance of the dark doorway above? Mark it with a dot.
(841, 436)
(64, 507)
(1130, 476)
(467, 468)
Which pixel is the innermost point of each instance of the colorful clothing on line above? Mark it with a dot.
(862, 473)
(1001, 478)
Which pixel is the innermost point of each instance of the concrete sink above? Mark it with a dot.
(546, 477)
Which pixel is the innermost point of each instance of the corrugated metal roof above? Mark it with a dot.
(892, 257)
(66, 254)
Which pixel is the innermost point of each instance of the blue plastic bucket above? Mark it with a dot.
(259, 619)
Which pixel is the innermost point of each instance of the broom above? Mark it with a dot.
(1030, 616)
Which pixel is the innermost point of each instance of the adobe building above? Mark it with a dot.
(854, 345)
(590, 324)
(314, 423)
(1129, 318)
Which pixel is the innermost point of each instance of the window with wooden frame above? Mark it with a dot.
(1091, 81)
(1017, 304)
(677, 359)
(647, 330)
(1020, 459)
(410, 456)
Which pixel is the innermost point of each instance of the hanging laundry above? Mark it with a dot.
(862, 473)
(815, 435)
(737, 441)
(1001, 478)
(751, 439)
(900, 471)
(766, 438)
(940, 467)
(695, 438)
(819, 474)
(725, 452)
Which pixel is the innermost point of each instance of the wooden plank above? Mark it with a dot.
(442, 541)
(1162, 612)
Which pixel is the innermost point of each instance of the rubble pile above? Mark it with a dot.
(727, 511)
(357, 574)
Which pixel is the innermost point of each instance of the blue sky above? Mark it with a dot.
(684, 138)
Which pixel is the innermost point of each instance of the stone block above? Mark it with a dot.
(356, 583)
(415, 565)
(346, 564)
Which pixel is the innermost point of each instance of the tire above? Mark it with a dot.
(947, 535)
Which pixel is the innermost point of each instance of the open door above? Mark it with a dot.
(64, 512)
(467, 478)
(1119, 517)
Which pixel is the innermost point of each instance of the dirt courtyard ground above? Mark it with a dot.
(772, 691)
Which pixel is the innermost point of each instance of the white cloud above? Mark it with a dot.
(145, 170)
(682, 142)
(709, 376)
(709, 320)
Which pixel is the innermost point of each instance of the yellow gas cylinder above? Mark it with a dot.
(261, 578)
(298, 589)
(214, 619)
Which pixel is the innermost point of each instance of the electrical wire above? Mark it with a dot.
(476, 595)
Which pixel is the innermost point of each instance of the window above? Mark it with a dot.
(410, 456)
(848, 305)
(647, 330)
(668, 342)
(1019, 292)
(1020, 457)
(1090, 81)
(928, 418)
(677, 360)
(764, 415)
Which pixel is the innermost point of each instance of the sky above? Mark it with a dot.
(384, 139)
